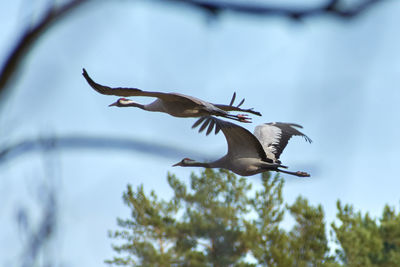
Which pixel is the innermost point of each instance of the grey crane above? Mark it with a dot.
(248, 153)
(175, 104)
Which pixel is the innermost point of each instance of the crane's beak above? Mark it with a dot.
(113, 104)
(176, 164)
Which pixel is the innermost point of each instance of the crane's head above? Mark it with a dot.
(122, 102)
(184, 162)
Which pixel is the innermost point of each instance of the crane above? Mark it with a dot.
(248, 153)
(175, 104)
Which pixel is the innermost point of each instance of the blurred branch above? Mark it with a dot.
(332, 7)
(30, 37)
(38, 239)
(86, 142)
(40, 235)
(55, 14)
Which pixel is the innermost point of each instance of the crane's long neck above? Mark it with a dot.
(156, 106)
(197, 164)
(153, 106)
(132, 104)
(214, 164)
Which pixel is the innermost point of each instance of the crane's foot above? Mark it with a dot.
(302, 174)
(243, 118)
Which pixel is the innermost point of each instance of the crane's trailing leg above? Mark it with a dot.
(239, 117)
(298, 173)
(244, 118)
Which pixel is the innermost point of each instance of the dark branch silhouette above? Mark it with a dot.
(55, 14)
(332, 7)
(86, 142)
(30, 37)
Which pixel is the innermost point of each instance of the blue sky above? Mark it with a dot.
(338, 79)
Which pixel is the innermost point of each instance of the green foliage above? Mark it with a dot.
(198, 227)
(364, 241)
(270, 246)
(308, 241)
(220, 221)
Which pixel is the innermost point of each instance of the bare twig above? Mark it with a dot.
(332, 7)
(29, 38)
(86, 142)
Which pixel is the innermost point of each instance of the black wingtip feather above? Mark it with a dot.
(217, 129)
(205, 124)
(89, 80)
(209, 121)
(198, 122)
(308, 139)
(233, 99)
(241, 103)
(210, 127)
(85, 74)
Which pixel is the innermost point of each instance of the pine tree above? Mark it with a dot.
(308, 242)
(270, 246)
(203, 226)
(220, 221)
(365, 242)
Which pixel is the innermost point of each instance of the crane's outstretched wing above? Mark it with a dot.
(126, 91)
(274, 136)
(241, 142)
(173, 99)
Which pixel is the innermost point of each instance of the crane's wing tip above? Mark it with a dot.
(233, 99)
(241, 103)
(198, 122)
(85, 74)
(308, 139)
(209, 121)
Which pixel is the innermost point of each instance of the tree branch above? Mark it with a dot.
(29, 38)
(37, 239)
(86, 142)
(332, 7)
